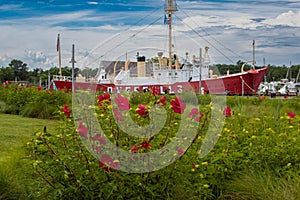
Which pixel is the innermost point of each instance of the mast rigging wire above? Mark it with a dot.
(133, 35)
(210, 37)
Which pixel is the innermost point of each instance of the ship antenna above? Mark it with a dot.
(170, 7)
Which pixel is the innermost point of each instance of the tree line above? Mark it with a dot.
(19, 71)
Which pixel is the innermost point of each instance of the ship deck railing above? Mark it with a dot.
(62, 78)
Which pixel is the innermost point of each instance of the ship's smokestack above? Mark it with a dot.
(177, 65)
(160, 61)
(141, 66)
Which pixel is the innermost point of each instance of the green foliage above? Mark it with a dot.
(13, 173)
(256, 151)
(252, 139)
(19, 68)
(263, 186)
(31, 101)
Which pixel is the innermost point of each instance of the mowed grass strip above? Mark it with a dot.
(15, 131)
(15, 171)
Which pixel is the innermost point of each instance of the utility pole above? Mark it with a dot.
(73, 65)
(59, 56)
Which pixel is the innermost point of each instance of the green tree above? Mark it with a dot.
(6, 74)
(20, 69)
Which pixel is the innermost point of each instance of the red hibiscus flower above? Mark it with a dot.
(154, 91)
(99, 138)
(97, 149)
(106, 162)
(83, 131)
(163, 100)
(179, 151)
(122, 102)
(66, 110)
(142, 110)
(291, 114)
(145, 145)
(196, 115)
(193, 112)
(227, 111)
(118, 115)
(177, 105)
(105, 98)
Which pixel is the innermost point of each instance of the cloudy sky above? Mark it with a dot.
(118, 29)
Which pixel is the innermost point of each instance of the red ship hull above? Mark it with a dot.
(245, 83)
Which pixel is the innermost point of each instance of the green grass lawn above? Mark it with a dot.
(15, 171)
(16, 130)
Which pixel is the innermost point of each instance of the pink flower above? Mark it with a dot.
(177, 105)
(99, 138)
(198, 118)
(83, 131)
(133, 149)
(163, 100)
(227, 111)
(122, 102)
(142, 110)
(97, 149)
(196, 115)
(262, 97)
(66, 110)
(179, 151)
(193, 112)
(40, 88)
(291, 114)
(118, 115)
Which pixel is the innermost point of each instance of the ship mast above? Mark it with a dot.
(170, 7)
(253, 54)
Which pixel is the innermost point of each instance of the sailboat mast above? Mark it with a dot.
(170, 7)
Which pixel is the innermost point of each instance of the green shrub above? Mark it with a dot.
(31, 101)
(252, 139)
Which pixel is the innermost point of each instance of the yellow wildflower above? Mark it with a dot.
(204, 163)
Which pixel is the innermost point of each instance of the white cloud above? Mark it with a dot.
(93, 3)
(233, 25)
(4, 60)
(289, 18)
(8, 7)
(38, 59)
(220, 21)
